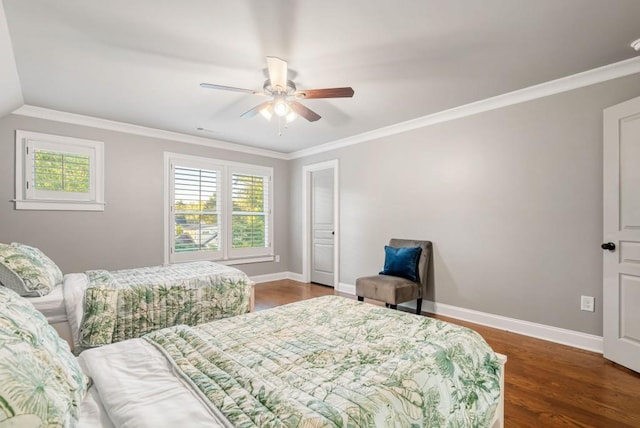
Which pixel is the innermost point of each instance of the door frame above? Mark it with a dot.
(306, 219)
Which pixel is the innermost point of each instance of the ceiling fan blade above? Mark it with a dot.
(277, 73)
(325, 93)
(254, 111)
(230, 88)
(303, 111)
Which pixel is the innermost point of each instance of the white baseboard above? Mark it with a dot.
(346, 288)
(295, 276)
(276, 277)
(563, 336)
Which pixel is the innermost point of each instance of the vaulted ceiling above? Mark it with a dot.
(141, 62)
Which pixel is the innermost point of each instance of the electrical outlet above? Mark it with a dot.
(278, 259)
(587, 303)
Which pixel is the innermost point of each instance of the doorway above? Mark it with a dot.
(321, 224)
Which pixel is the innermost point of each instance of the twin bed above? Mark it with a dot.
(323, 362)
(87, 312)
(99, 307)
(230, 293)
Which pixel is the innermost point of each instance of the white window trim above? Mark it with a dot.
(226, 255)
(95, 149)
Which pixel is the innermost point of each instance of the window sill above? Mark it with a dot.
(58, 205)
(248, 260)
(227, 262)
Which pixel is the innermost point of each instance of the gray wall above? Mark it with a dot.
(511, 198)
(130, 231)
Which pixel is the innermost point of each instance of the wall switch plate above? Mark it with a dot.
(278, 259)
(587, 303)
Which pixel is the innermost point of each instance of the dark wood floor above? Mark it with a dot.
(546, 384)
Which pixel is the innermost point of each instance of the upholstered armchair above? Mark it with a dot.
(392, 289)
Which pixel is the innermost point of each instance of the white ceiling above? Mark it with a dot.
(10, 91)
(141, 62)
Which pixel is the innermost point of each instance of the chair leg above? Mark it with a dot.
(419, 307)
(360, 298)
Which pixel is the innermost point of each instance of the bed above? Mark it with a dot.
(328, 361)
(99, 307)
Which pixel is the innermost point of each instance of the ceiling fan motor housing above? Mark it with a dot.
(269, 89)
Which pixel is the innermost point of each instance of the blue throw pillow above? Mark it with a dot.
(402, 262)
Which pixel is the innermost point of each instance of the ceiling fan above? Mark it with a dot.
(283, 93)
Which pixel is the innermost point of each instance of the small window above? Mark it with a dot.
(58, 173)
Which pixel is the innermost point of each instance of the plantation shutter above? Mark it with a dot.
(196, 212)
(250, 217)
(60, 172)
(63, 172)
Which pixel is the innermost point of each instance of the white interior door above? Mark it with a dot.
(322, 227)
(621, 282)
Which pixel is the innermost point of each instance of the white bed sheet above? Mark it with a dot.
(52, 305)
(64, 302)
(92, 412)
(138, 387)
(74, 286)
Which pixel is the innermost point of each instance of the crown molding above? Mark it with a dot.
(111, 125)
(552, 87)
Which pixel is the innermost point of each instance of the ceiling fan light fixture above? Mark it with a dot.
(267, 112)
(291, 116)
(281, 108)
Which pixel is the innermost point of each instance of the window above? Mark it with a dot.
(58, 173)
(218, 210)
(196, 219)
(249, 196)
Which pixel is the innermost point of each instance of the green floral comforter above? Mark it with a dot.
(129, 303)
(331, 361)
